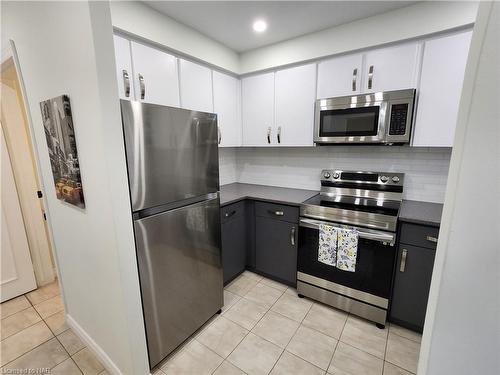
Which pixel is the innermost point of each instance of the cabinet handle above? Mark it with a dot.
(229, 214)
(269, 135)
(126, 83)
(292, 236)
(402, 265)
(219, 133)
(432, 239)
(143, 86)
(277, 213)
(370, 77)
(278, 135)
(354, 78)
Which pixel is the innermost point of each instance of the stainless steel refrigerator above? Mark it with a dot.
(173, 171)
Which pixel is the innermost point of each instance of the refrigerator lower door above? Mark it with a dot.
(180, 270)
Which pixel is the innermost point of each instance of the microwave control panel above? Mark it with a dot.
(399, 115)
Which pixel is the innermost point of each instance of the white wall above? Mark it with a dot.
(462, 329)
(409, 22)
(145, 22)
(425, 169)
(66, 48)
(227, 165)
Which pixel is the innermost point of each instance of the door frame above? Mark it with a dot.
(44, 259)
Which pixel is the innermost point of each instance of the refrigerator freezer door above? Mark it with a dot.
(172, 153)
(179, 256)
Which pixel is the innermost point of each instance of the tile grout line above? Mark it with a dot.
(41, 320)
(291, 338)
(337, 344)
(262, 317)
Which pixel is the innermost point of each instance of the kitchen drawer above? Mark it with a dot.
(232, 211)
(419, 235)
(277, 211)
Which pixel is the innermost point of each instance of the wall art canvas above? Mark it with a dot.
(61, 142)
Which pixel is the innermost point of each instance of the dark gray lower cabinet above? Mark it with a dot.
(412, 277)
(234, 240)
(276, 249)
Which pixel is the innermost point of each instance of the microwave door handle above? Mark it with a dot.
(374, 236)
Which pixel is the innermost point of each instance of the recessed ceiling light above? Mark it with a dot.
(259, 26)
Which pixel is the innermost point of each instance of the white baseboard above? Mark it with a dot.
(96, 349)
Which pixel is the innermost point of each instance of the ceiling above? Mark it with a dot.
(230, 22)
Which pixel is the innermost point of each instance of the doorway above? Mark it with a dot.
(23, 211)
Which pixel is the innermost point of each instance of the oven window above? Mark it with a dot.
(374, 264)
(350, 122)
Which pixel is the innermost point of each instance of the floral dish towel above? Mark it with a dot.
(327, 249)
(347, 249)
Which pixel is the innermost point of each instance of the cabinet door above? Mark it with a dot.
(391, 68)
(441, 80)
(124, 72)
(233, 246)
(276, 249)
(340, 76)
(258, 110)
(295, 96)
(156, 77)
(196, 86)
(411, 285)
(227, 95)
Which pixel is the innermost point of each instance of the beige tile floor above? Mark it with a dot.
(34, 335)
(265, 328)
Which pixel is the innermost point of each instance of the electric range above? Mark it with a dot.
(368, 202)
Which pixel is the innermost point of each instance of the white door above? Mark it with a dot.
(124, 72)
(295, 90)
(391, 68)
(258, 110)
(340, 76)
(227, 95)
(17, 276)
(155, 76)
(441, 80)
(196, 86)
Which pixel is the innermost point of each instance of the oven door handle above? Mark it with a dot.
(363, 233)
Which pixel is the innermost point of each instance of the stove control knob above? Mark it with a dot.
(326, 175)
(395, 179)
(384, 178)
(336, 175)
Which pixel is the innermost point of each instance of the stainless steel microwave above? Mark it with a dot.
(381, 117)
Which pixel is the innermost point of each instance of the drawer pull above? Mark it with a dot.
(402, 265)
(277, 213)
(292, 236)
(370, 77)
(269, 135)
(432, 239)
(354, 78)
(229, 214)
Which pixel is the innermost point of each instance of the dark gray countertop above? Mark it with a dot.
(425, 213)
(235, 192)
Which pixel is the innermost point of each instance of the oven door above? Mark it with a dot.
(370, 283)
(355, 123)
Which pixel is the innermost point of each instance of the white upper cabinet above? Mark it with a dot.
(156, 77)
(124, 72)
(441, 82)
(196, 86)
(391, 68)
(258, 110)
(340, 76)
(295, 94)
(227, 99)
